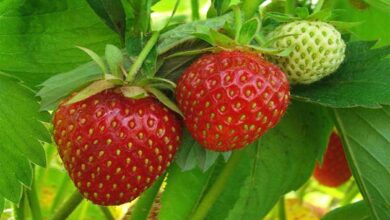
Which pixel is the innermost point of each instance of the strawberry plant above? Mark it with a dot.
(201, 109)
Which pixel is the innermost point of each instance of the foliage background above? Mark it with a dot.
(37, 41)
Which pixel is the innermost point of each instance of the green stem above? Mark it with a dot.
(217, 188)
(107, 213)
(195, 9)
(83, 212)
(68, 207)
(32, 197)
(19, 209)
(142, 56)
(290, 6)
(250, 7)
(282, 209)
(41, 172)
(318, 6)
(145, 202)
(350, 194)
(60, 192)
(302, 191)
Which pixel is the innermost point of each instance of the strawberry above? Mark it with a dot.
(334, 170)
(230, 98)
(318, 50)
(115, 147)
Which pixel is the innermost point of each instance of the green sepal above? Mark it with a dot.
(221, 39)
(191, 52)
(281, 52)
(280, 17)
(322, 15)
(248, 31)
(302, 12)
(134, 92)
(158, 82)
(95, 58)
(93, 89)
(114, 79)
(114, 59)
(203, 33)
(164, 99)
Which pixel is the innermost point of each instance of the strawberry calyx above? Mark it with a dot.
(115, 76)
(240, 35)
(303, 13)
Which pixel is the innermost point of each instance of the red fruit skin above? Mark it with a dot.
(114, 147)
(230, 98)
(334, 170)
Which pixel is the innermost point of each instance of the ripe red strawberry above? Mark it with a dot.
(334, 170)
(230, 98)
(115, 147)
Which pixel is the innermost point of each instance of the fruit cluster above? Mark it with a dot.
(115, 146)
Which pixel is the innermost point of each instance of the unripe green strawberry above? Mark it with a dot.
(318, 50)
(115, 147)
(334, 170)
(231, 98)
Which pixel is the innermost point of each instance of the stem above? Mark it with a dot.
(195, 10)
(250, 7)
(145, 202)
(84, 209)
(19, 210)
(217, 188)
(107, 213)
(32, 197)
(42, 172)
(282, 209)
(290, 6)
(302, 192)
(60, 192)
(318, 6)
(142, 56)
(68, 207)
(350, 194)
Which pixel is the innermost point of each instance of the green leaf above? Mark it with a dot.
(164, 99)
(113, 14)
(383, 5)
(231, 194)
(362, 80)
(248, 31)
(373, 18)
(185, 32)
(38, 38)
(191, 154)
(62, 85)
(95, 57)
(92, 89)
(183, 192)
(114, 59)
(366, 138)
(355, 211)
(142, 11)
(282, 160)
(21, 135)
